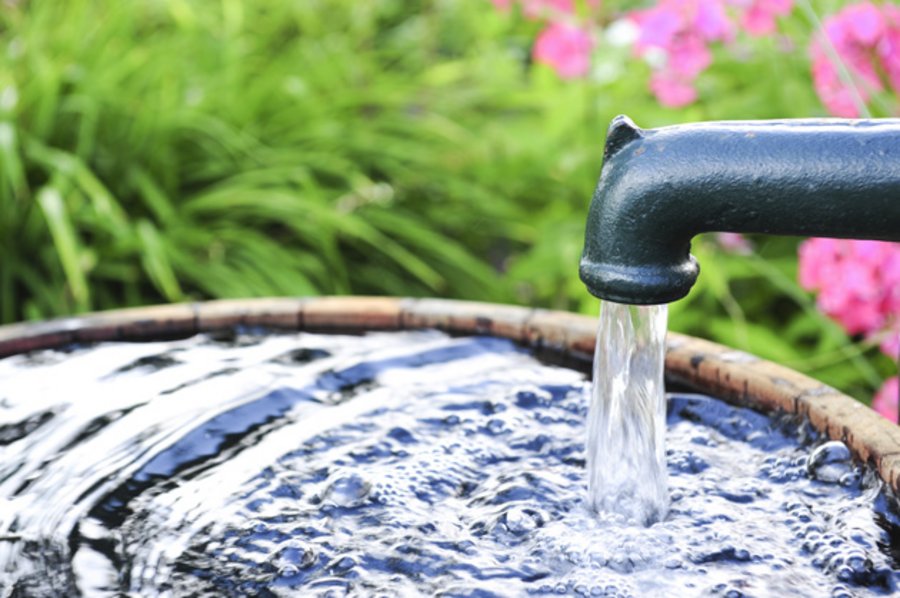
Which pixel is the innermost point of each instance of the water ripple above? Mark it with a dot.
(398, 464)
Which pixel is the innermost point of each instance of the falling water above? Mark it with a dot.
(626, 455)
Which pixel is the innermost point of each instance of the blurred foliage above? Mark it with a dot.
(171, 150)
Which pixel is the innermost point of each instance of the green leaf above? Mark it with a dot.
(156, 262)
(66, 243)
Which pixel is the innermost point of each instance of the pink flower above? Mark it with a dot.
(865, 23)
(710, 20)
(658, 26)
(889, 45)
(838, 99)
(858, 284)
(688, 57)
(816, 256)
(885, 402)
(866, 37)
(547, 8)
(565, 48)
(682, 31)
(534, 9)
(890, 343)
(662, 25)
(734, 243)
(759, 18)
(672, 91)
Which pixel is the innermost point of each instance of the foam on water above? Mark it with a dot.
(398, 464)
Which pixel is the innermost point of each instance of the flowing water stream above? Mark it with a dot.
(626, 452)
(409, 464)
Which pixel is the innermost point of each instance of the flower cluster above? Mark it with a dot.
(674, 36)
(566, 48)
(681, 31)
(864, 41)
(565, 44)
(759, 16)
(859, 287)
(855, 55)
(540, 8)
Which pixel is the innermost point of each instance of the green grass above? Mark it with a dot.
(172, 150)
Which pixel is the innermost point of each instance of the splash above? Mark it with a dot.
(626, 424)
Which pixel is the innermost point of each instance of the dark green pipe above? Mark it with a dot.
(660, 187)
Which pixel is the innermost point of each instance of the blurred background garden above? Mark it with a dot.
(178, 150)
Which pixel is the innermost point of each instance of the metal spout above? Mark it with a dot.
(660, 187)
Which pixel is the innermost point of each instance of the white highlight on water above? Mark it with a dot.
(626, 453)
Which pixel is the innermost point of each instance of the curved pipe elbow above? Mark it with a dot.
(659, 188)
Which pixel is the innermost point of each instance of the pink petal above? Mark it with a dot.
(658, 27)
(890, 346)
(688, 56)
(837, 98)
(816, 256)
(759, 18)
(711, 21)
(886, 400)
(865, 21)
(565, 48)
(734, 243)
(866, 36)
(758, 22)
(672, 92)
(547, 8)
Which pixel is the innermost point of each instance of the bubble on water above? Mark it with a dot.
(520, 520)
(293, 557)
(401, 435)
(495, 426)
(532, 398)
(341, 566)
(685, 462)
(830, 462)
(841, 591)
(347, 490)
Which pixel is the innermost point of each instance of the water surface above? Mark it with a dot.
(398, 464)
